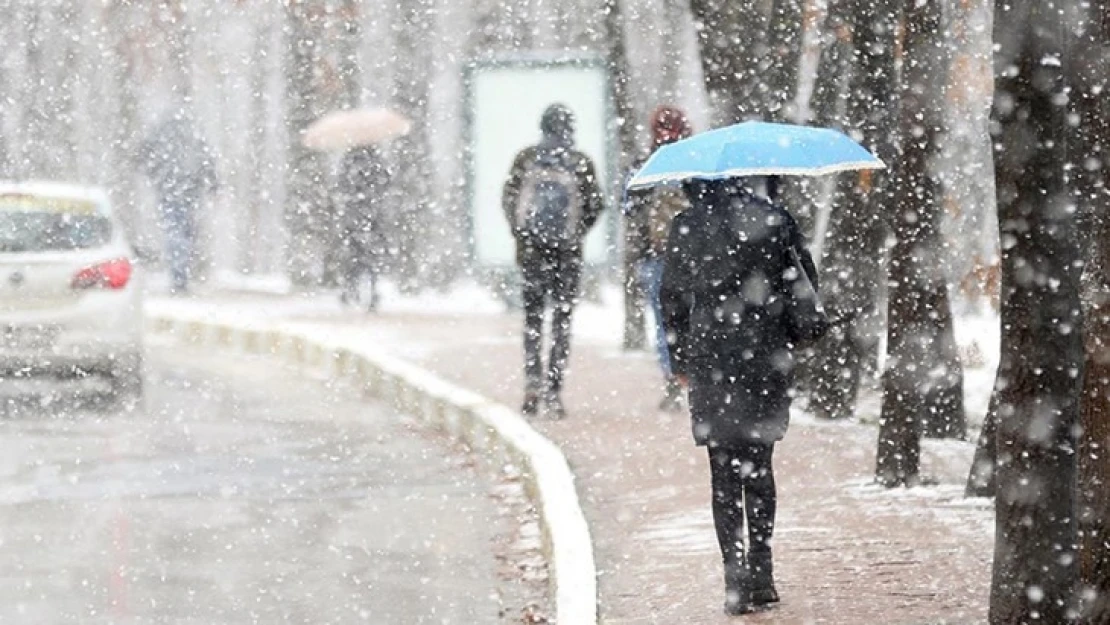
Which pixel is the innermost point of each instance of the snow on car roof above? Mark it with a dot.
(94, 195)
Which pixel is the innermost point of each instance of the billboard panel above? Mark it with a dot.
(506, 100)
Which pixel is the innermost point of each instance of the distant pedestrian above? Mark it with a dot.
(361, 197)
(551, 200)
(181, 169)
(648, 213)
(728, 274)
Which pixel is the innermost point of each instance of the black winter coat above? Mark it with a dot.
(722, 300)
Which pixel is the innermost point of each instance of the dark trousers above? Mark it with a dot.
(550, 276)
(181, 233)
(743, 486)
(357, 254)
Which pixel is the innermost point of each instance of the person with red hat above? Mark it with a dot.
(648, 214)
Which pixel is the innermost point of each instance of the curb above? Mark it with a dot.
(496, 432)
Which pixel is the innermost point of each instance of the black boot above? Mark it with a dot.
(762, 578)
(737, 588)
(553, 406)
(672, 396)
(531, 404)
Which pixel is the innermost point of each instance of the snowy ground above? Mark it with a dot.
(466, 330)
(600, 322)
(240, 493)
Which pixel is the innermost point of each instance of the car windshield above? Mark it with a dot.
(32, 224)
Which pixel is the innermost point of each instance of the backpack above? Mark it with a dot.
(549, 207)
(665, 203)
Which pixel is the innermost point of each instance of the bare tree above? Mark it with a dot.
(1040, 368)
(923, 379)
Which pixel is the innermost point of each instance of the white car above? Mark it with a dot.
(70, 298)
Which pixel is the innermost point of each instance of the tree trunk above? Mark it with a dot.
(981, 480)
(923, 381)
(672, 39)
(781, 61)
(306, 200)
(852, 272)
(730, 39)
(619, 74)
(251, 232)
(6, 86)
(828, 101)
(126, 129)
(1094, 209)
(1040, 368)
(409, 230)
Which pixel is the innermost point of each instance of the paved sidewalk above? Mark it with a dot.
(846, 551)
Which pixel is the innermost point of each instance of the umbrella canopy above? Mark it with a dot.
(755, 149)
(340, 130)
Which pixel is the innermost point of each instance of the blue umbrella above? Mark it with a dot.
(755, 149)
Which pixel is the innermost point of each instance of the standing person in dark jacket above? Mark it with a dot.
(180, 167)
(551, 200)
(363, 181)
(725, 280)
(648, 213)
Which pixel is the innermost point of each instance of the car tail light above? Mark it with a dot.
(111, 274)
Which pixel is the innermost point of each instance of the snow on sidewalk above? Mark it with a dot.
(847, 552)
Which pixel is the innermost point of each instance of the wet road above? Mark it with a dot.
(239, 493)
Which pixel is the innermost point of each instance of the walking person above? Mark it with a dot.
(728, 273)
(180, 167)
(361, 195)
(648, 213)
(551, 200)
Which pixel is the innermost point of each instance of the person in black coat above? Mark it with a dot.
(726, 273)
(361, 195)
(180, 166)
(551, 200)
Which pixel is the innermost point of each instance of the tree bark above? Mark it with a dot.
(781, 61)
(413, 40)
(126, 129)
(828, 101)
(619, 74)
(672, 39)
(1094, 209)
(251, 231)
(923, 380)
(6, 86)
(1040, 368)
(852, 270)
(306, 199)
(981, 480)
(730, 40)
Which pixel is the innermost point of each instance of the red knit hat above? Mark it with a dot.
(669, 124)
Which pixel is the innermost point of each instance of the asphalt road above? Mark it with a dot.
(237, 493)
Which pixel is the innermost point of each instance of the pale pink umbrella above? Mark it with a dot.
(340, 130)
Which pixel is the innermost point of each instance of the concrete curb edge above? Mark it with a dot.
(493, 430)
